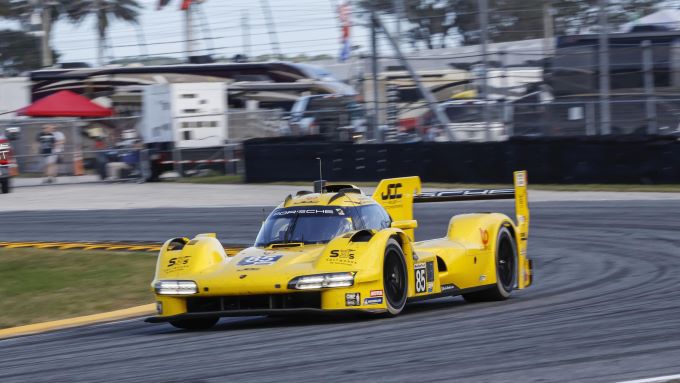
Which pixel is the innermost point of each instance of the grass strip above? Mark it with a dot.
(39, 285)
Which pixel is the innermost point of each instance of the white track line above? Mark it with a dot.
(658, 379)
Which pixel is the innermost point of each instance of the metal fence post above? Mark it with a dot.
(648, 73)
(226, 159)
(591, 122)
(176, 161)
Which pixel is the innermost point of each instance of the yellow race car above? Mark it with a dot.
(336, 249)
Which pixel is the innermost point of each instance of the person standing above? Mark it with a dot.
(47, 141)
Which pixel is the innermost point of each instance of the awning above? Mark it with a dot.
(65, 104)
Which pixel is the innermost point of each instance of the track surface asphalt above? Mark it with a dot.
(605, 307)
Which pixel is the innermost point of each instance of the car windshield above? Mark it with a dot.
(308, 225)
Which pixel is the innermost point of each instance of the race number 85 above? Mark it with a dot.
(421, 280)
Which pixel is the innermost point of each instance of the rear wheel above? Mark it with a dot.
(395, 281)
(195, 323)
(506, 270)
(4, 185)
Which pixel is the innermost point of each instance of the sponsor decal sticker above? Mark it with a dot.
(448, 287)
(392, 192)
(178, 263)
(284, 213)
(258, 260)
(373, 301)
(159, 308)
(342, 257)
(520, 179)
(352, 299)
(376, 293)
(420, 277)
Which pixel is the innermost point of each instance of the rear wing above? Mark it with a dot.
(397, 196)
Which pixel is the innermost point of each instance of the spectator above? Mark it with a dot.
(47, 141)
(59, 144)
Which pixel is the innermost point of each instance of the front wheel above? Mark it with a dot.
(395, 281)
(195, 323)
(506, 270)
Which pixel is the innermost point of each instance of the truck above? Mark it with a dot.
(6, 161)
(186, 116)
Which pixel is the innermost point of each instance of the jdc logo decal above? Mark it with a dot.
(392, 192)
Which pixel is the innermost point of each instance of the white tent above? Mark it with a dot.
(668, 18)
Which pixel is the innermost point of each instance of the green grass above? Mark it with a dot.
(43, 285)
(664, 188)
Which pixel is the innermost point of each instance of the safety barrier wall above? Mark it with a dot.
(627, 160)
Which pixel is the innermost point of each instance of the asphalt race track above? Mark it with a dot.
(605, 307)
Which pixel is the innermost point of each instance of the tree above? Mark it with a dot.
(104, 11)
(19, 52)
(22, 10)
(508, 20)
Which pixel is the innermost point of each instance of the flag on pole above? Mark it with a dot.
(345, 13)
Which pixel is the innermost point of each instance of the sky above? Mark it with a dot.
(303, 26)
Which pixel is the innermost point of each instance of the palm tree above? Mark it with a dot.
(23, 10)
(104, 11)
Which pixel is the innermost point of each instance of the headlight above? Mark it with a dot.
(319, 281)
(176, 287)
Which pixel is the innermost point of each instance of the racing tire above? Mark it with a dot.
(506, 271)
(195, 323)
(395, 280)
(4, 185)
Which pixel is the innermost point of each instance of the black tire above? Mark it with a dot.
(506, 271)
(195, 323)
(395, 279)
(4, 185)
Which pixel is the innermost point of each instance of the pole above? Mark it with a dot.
(46, 29)
(374, 77)
(605, 113)
(101, 39)
(548, 28)
(484, 26)
(432, 102)
(648, 72)
(273, 39)
(398, 6)
(189, 32)
(245, 32)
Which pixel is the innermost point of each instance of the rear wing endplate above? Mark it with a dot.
(397, 196)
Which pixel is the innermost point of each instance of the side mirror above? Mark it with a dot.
(13, 133)
(405, 225)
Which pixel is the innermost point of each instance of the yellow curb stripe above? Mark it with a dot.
(110, 316)
(231, 251)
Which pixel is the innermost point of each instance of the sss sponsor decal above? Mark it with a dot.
(178, 261)
(342, 256)
(392, 192)
(373, 301)
(257, 260)
(448, 287)
(376, 293)
(352, 299)
(420, 277)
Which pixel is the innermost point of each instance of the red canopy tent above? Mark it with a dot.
(65, 104)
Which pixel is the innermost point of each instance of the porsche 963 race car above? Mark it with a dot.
(337, 249)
